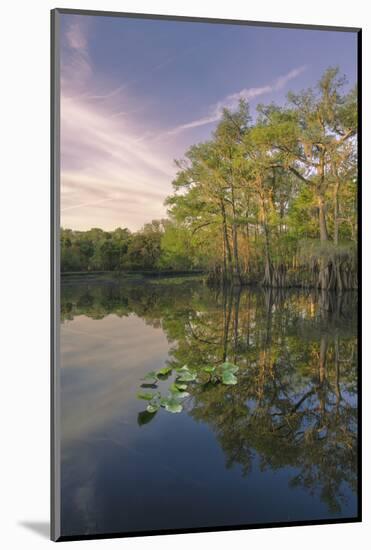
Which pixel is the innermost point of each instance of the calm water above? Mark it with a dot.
(278, 446)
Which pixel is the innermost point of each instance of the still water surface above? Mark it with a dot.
(278, 446)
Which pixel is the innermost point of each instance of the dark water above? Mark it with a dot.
(279, 446)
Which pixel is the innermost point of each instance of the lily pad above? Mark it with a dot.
(176, 388)
(229, 378)
(152, 408)
(181, 394)
(146, 396)
(230, 367)
(150, 376)
(173, 406)
(207, 376)
(209, 369)
(186, 376)
(183, 368)
(164, 371)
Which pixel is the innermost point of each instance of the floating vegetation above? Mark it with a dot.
(177, 392)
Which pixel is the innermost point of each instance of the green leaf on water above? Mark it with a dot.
(146, 396)
(150, 376)
(173, 405)
(152, 408)
(183, 369)
(176, 388)
(174, 408)
(224, 373)
(186, 376)
(181, 394)
(229, 378)
(230, 367)
(164, 371)
(209, 369)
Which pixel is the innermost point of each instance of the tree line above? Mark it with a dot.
(270, 200)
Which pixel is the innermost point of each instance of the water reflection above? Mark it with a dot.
(293, 412)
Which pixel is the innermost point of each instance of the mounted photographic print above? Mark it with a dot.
(205, 273)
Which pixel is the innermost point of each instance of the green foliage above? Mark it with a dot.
(245, 200)
(228, 378)
(254, 191)
(313, 251)
(98, 250)
(185, 375)
(151, 376)
(223, 373)
(172, 405)
(146, 396)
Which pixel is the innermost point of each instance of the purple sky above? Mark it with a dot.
(136, 93)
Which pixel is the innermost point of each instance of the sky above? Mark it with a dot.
(136, 93)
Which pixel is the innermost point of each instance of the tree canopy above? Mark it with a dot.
(269, 199)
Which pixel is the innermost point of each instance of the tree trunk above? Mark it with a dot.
(324, 273)
(322, 375)
(322, 219)
(321, 198)
(236, 263)
(337, 371)
(336, 213)
(226, 239)
(236, 299)
(268, 272)
(247, 239)
(227, 308)
(224, 256)
(322, 359)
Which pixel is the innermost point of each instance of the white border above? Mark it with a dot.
(25, 266)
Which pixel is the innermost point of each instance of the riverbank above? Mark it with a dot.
(114, 276)
(177, 277)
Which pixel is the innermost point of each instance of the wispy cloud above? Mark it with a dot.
(104, 161)
(147, 75)
(94, 203)
(116, 162)
(76, 37)
(231, 100)
(76, 63)
(110, 176)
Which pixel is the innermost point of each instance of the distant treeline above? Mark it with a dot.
(270, 201)
(154, 247)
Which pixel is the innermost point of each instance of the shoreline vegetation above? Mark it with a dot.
(270, 202)
(135, 276)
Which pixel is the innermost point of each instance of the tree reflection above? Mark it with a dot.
(296, 401)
